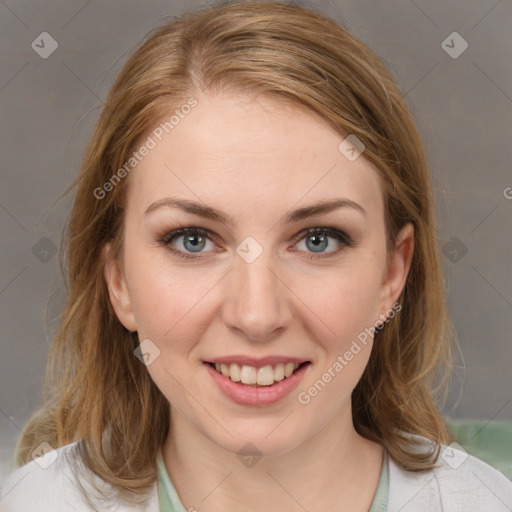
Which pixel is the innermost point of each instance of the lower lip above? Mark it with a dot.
(244, 394)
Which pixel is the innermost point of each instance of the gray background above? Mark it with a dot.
(462, 105)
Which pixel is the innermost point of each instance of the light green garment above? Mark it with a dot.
(170, 502)
(380, 501)
(167, 495)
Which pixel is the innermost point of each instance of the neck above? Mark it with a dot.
(335, 469)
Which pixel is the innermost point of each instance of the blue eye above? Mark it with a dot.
(195, 240)
(317, 240)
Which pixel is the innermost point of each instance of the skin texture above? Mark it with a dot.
(256, 159)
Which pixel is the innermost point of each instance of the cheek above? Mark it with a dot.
(165, 311)
(347, 306)
(345, 302)
(164, 296)
(174, 309)
(173, 312)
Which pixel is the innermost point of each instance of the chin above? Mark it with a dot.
(259, 442)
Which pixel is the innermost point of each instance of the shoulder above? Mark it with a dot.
(458, 482)
(49, 484)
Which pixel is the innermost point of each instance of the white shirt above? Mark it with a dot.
(459, 483)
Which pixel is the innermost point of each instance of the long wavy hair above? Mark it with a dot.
(96, 391)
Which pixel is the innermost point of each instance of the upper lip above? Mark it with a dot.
(256, 361)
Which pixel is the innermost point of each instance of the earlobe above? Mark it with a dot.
(398, 268)
(117, 289)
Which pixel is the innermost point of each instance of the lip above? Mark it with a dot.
(258, 362)
(261, 396)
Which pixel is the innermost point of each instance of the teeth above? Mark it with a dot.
(264, 376)
(288, 369)
(234, 372)
(248, 375)
(279, 372)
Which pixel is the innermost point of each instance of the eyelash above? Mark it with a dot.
(329, 231)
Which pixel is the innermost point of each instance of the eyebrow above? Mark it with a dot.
(202, 210)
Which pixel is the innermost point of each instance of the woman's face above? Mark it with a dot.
(248, 286)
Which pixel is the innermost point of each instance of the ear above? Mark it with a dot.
(395, 275)
(117, 289)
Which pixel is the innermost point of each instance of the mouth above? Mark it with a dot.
(257, 376)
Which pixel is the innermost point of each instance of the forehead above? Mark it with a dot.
(240, 150)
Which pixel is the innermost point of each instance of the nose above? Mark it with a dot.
(258, 300)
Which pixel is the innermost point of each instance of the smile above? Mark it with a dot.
(257, 376)
(256, 382)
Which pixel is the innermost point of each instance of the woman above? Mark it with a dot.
(256, 308)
